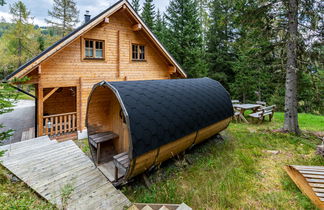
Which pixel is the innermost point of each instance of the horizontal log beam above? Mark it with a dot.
(137, 27)
(105, 22)
(172, 69)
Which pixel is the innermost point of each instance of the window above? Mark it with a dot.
(94, 49)
(138, 52)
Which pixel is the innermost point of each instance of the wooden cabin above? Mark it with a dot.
(116, 45)
(135, 125)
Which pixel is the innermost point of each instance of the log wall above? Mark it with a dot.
(68, 68)
(62, 101)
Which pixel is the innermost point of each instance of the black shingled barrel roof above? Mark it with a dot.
(162, 111)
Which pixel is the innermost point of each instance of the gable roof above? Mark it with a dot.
(57, 46)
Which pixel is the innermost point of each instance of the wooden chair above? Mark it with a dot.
(265, 111)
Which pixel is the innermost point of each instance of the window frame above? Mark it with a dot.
(94, 49)
(138, 52)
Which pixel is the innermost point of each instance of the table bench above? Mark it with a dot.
(97, 139)
(243, 107)
(265, 111)
(121, 162)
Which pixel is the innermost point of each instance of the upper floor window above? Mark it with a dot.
(138, 52)
(94, 49)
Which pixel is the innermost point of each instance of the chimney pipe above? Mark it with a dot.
(87, 16)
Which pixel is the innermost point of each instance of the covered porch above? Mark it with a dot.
(57, 112)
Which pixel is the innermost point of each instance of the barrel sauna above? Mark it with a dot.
(134, 125)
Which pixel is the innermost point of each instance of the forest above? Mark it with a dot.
(246, 45)
(260, 50)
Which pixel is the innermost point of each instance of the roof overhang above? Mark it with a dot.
(59, 45)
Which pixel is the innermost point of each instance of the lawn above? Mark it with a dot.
(240, 172)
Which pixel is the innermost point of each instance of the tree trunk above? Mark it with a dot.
(291, 114)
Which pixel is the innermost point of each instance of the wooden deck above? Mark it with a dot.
(310, 180)
(49, 167)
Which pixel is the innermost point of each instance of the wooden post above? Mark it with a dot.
(79, 101)
(40, 109)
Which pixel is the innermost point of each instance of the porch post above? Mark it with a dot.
(79, 104)
(40, 109)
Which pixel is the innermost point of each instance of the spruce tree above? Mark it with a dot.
(2, 2)
(160, 29)
(148, 13)
(219, 39)
(66, 14)
(136, 5)
(19, 43)
(7, 98)
(185, 36)
(204, 17)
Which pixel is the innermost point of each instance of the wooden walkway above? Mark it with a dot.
(310, 180)
(50, 168)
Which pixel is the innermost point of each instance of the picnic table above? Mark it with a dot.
(243, 107)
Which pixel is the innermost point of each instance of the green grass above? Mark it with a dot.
(23, 96)
(239, 172)
(18, 195)
(306, 121)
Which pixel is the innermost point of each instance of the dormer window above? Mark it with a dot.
(94, 49)
(138, 52)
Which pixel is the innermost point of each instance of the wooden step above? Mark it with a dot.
(22, 144)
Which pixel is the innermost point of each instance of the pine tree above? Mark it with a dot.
(148, 13)
(204, 17)
(136, 5)
(7, 98)
(66, 14)
(219, 39)
(19, 43)
(184, 36)
(2, 2)
(160, 29)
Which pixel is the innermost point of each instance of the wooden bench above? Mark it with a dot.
(236, 115)
(121, 162)
(265, 111)
(262, 103)
(97, 139)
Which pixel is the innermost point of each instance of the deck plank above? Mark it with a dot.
(47, 166)
(310, 181)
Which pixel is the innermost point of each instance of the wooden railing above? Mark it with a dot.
(60, 124)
